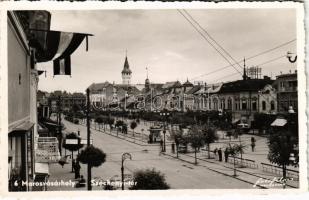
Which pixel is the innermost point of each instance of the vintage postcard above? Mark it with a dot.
(152, 96)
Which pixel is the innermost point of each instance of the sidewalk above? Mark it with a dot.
(64, 174)
(249, 175)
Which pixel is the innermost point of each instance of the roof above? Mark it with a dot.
(245, 85)
(126, 67)
(187, 83)
(291, 75)
(128, 88)
(194, 89)
(171, 84)
(154, 86)
(98, 86)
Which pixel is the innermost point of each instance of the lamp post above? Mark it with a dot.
(59, 124)
(165, 115)
(123, 158)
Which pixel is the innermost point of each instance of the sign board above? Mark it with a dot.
(71, 141)
(84, 141)
(47, 150)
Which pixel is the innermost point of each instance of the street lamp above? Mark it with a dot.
(123, 157)
(165, 114)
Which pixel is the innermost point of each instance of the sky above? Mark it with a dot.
(171, 49)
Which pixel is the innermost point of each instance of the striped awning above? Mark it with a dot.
(279, 122)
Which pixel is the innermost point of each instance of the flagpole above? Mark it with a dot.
(33, 29)
(88, 140)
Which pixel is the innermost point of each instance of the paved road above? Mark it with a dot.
(180, 175)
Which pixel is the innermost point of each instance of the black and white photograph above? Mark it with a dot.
(155, 99)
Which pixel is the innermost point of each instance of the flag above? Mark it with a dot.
(62, 66)
(59, 47)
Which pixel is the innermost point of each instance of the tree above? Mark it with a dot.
(210, 136)
(281, 145)
(99, 120)
(119, 124)
(149, 179)
(234, 151)
(133, 125)
(196, 139)
(177, 136)
(92, 156)
(110, 121)
(72, 147)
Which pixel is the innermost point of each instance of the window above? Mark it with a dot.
(263, 105)
(215, 104)
(222, 104)
(282, 85)
(229, 104)
(209, 104)
(254, 105)
(272, 105)
(244, 105)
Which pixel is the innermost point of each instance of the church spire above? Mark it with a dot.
(126, 72)
(244, 76)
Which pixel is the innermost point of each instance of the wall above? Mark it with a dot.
(18, 63)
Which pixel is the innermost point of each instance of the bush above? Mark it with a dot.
(149, 180)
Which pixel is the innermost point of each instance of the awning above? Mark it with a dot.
(50, 124)
(41, 168)
(279, 122)
(235, 121)
(21, 128)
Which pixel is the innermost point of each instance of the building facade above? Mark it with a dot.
(286, 86)
(22, 115)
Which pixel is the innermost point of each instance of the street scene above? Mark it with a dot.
(153, 99)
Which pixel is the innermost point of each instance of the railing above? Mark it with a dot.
(243, 162)
(278, 170)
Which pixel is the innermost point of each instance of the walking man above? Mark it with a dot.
(220, 154)
(77, 170)
(252, 143)
(226, 154)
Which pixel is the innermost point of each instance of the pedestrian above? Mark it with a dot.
(226, 154)
(73, 164)
(252, 143)
(215, 151)
(220, 154)
(77, 170)
(161, 145)
(81, 182)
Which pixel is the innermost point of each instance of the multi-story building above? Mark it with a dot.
(68, 100)
(287, 98)
(244, 98)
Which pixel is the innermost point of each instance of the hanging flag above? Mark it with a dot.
(62, 66)
(59, 47)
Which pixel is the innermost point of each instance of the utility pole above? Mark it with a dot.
(88, 140)
(59, 125)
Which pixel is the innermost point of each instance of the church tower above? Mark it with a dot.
(147, 82)
(126, 73)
